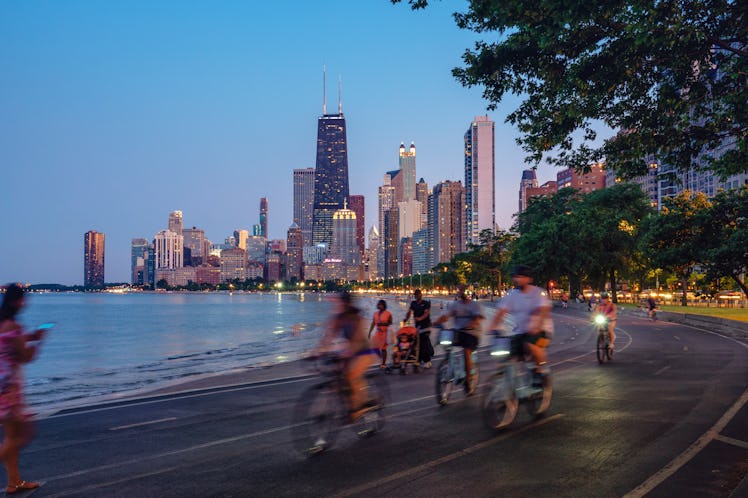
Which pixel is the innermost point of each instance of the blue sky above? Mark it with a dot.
(113, 114)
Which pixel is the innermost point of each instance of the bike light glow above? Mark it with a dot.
(445, 343)
(600, 320)
(499, 353)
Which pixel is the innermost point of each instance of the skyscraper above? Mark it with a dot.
(176, 224)
(480, 178)
(529, 180)
(138, 257)
(264, 217)
(407, 163)
(448, 220)
(93, 259)
(240, 237)
(356, 204)
(422, 196)
(331, 172)
(391, 242)
(344, 245)
(194, 240)
(169, 250)
(303, 202)
(294, 253)
(386, 198)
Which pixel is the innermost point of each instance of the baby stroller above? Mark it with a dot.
(405, 351)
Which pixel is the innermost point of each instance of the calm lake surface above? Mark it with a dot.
(115, 343)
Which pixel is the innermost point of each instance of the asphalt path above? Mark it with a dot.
(668, 417)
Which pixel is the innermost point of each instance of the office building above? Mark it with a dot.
(356, 204)
(264, 217)
(331, 172)
(405, 257)
(372, 254)
(257, 248)
(233, 264)
(138, 257)
(240, 238)
(194, 240)
(169, 250)
(410, 217)
(420, 264)
(391, 242)
(529, 180)
(480, 178)
(176, 224)
(448, 220)
(93, 259)
(344, 246)
(294, 253)
(303, 202)
(386, 201)
(422, 196)
(407, 163)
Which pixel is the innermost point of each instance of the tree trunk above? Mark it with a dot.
(684, 296)
(613, 294)
(741, 284)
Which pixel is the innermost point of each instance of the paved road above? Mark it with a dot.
(668, 417)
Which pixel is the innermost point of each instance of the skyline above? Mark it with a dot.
(181, 111)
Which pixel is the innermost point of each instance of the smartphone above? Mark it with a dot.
(46, 326)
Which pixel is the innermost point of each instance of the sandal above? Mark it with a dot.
(21, 486)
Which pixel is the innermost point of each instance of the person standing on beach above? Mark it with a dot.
(382, 320)
(16, 348)
(421, 310)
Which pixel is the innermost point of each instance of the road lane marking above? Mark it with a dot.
(92, 487)
(356, 490)
(658, 372)
(679, 461)
(732, 441)
(140, 424)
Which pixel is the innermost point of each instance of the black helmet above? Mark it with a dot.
(523, 270)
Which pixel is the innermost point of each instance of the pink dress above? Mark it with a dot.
(12, 405)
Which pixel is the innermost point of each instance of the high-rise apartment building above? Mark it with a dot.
(303, 202)
(330, 174)
(240, 238)
(233, 264)
(138, 257)
(344, 245)
(93, 259)
(583, 182)
(264, 217)
(407, 162)
(169, 250)
(373, 253)
(257, 249)
(480, 178)
(386, 201)
(422, 196)
(410, 217)
(294, 253)
(176, 224)
(405, 257)
(420, 252)
(194, 240)
(448, 220)
(529, 180)
(391, 242)
(356, 204)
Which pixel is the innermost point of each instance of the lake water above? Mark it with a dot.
(115, 343)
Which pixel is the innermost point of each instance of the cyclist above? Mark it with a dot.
(531, 309)
(421, 310)
(466, 315)
(382, 320)
(652, 307)
(345, 336)
(608, 308)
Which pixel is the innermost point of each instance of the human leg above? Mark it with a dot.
(612, 332)
(18, 434)
(355, 377)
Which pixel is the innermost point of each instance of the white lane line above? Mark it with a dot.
(658, 372)
(92, 487)
(357, 490)
(679, 461)
(732, 441)
(676, 338)
(140, 424)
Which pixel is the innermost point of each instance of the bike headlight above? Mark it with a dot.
(445, 342)
(600, 320)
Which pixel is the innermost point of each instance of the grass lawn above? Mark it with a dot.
(740, 314)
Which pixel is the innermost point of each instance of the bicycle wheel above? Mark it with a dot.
(498, 403)
(378, 393)
(317, 419)
(601, 348)
(444, 383)
(538, 403)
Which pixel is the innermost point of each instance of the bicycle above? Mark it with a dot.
(451, 370)
(324, 408)
(514, 382)
(604, 352)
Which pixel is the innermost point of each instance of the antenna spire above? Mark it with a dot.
(340, 95)
(324, 90)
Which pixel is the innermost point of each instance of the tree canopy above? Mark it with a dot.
(668, 76)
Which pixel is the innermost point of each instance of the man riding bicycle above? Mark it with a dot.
(608, 308)
(466, 315)
(531, 309)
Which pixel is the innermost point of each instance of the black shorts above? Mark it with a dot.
(518, 342)
(466, 340)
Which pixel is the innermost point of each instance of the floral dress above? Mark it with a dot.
(12, 405)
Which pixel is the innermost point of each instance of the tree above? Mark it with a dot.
(489, 257)
(670, 76)
(162, 284)
(726, 236)
(674, 239)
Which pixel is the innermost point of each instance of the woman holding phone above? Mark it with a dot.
(16, 348)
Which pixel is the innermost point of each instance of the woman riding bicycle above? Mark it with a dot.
(608, 308)
(346, 337)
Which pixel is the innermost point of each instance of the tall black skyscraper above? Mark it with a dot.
(331, 173)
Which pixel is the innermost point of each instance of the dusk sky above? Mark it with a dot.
(113, 114)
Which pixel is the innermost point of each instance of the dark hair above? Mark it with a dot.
(13, 293)
(382, 302)
(347, 299)
(523, 270)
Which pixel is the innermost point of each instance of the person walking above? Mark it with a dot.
(16, 348)
(421, 310)
(382, 320)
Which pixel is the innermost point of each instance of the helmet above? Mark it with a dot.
(522, 270)
(604, 295)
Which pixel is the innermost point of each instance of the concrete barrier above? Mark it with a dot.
(730, 328)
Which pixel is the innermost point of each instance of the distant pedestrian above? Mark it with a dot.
(564, 300)
(421, 310)
(382, 320)
(16, 348)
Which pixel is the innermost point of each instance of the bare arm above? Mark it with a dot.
(498, 319)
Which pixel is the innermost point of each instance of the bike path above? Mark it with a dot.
(609, 429)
